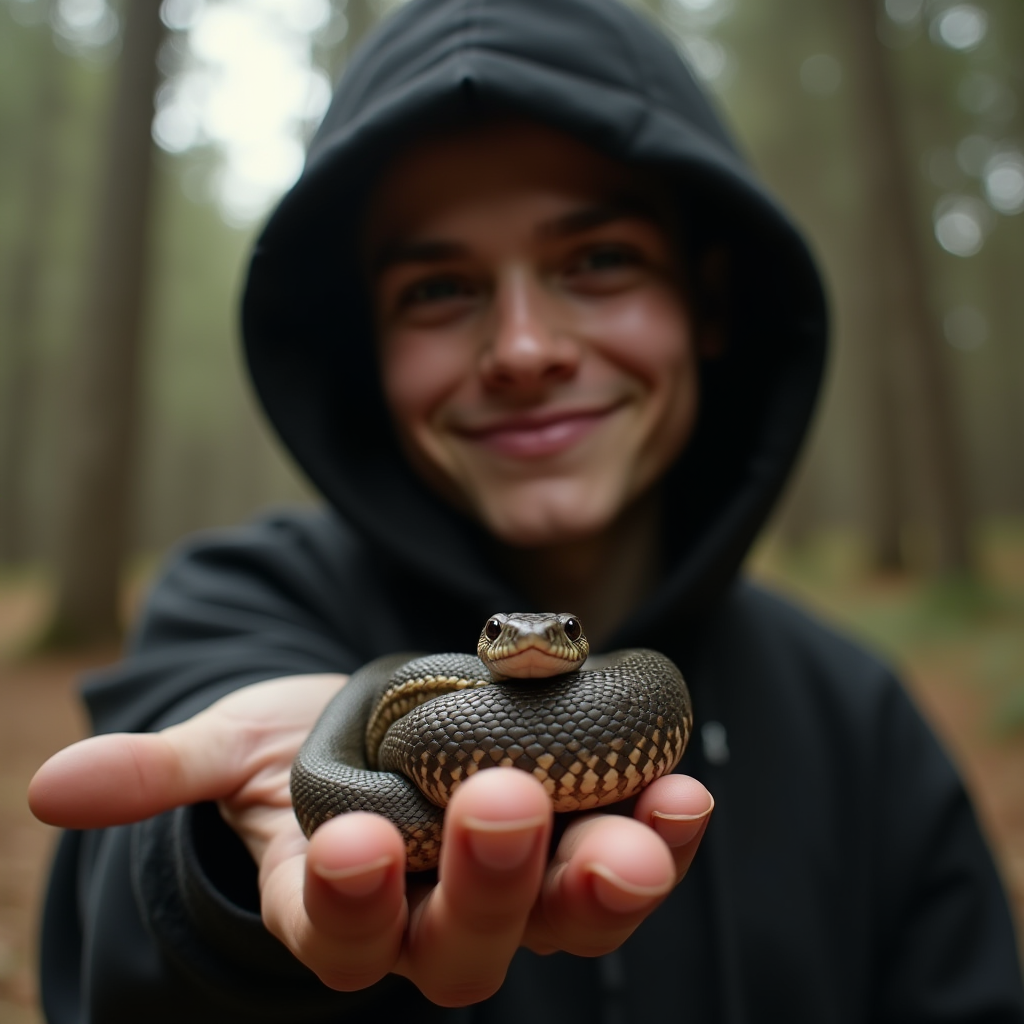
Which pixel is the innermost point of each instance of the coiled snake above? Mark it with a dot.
(406, 729)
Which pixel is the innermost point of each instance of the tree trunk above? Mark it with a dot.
(102, 422)
(898, 244)
(18, 383)
(362, 16)
(1006, 306)
(884, 385)
(886, 498)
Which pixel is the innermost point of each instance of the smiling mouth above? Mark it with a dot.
(538, 437)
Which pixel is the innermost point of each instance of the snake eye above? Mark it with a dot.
(493, 629)
(573, 629)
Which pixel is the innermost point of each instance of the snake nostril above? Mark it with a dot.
(493, 629)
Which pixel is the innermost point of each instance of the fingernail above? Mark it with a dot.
(679, 829)
(502, 845)
(358, 880)
(620, 896)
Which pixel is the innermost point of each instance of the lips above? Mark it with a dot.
(538, 436)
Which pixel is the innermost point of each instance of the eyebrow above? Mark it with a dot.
(428, 251)
(572, 223)
(589, 217)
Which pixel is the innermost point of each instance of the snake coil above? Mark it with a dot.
(406, 729)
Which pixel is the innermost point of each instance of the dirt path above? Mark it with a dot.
(39, 714)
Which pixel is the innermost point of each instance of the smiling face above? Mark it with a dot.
(536, 346)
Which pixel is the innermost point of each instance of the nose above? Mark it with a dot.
(528, 347)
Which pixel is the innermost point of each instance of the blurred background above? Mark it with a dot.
(141, 146)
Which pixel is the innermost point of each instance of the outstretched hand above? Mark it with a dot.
(339, 901)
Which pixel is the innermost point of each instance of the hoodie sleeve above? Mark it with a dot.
(159, 921)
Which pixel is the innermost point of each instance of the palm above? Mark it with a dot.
(272, 720)
(338, 901)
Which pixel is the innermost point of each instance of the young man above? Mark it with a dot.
(542, 342)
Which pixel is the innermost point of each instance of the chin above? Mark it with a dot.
(540, 524)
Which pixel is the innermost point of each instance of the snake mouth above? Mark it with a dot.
(533, 662)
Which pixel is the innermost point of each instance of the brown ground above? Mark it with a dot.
(39, 714)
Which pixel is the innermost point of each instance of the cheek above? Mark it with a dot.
(419, 372)
(651, 338)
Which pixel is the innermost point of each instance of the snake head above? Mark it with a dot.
(529, 645)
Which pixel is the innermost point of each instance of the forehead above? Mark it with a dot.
(476, 167)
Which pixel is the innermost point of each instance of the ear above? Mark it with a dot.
(713, 279)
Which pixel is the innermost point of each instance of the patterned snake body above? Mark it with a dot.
(592, 737)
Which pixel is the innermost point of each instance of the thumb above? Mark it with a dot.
(120, 778)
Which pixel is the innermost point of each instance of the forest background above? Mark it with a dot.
(894, 132)
(143, 143)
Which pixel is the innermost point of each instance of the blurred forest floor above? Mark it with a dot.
(959, 648)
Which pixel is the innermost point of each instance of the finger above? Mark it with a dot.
(464, 934)
(608, 874)
(124, 777)
(339, 904)
(678, 808)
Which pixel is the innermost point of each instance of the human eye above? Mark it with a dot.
(604, 266)
(606, 257)
(437, 288)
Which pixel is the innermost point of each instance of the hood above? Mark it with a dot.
(599, 71)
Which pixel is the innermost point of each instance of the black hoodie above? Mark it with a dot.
(843, 876)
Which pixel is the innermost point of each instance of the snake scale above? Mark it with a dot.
(407, 729)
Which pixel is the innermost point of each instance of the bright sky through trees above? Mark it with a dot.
(247, 84)
(242, 77)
